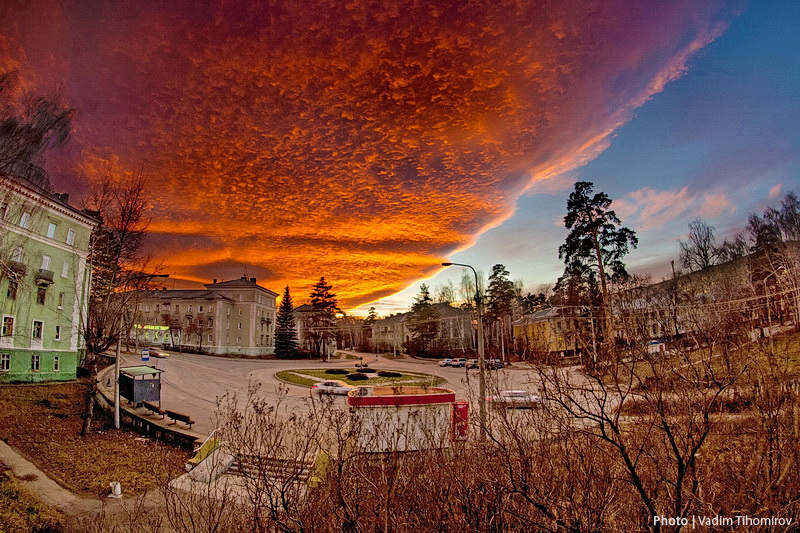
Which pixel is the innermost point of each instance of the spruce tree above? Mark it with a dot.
(285, 332)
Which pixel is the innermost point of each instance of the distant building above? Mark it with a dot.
(44, 282)
(303, 316)
(236, 317)
(455, 330)
(556, 331)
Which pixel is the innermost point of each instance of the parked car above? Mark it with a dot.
(514, 399)
(157, 352)
(472, 363)
(445, 362)
(458, 362)
(333, 386)
(494, 364)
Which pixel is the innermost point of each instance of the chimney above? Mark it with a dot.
(244, 278)
(252, 280)
(215, 281)
(64, 197)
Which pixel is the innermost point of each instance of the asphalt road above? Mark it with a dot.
(193, 384)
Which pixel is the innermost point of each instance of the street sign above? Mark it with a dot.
(145, 354)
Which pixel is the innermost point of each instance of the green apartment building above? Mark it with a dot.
(44, 282)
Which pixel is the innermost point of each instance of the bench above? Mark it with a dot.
(179, 417)
(154, 408)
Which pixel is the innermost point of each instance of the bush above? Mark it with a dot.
(337, 371)
(357, 376)
(389, 374)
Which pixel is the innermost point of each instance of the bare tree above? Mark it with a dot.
(700, 250)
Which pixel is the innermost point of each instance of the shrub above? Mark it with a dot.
(389, 374)
(337, 371)
(357, 376)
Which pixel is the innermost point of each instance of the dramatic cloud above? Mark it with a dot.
(362, 141)
(650, 209)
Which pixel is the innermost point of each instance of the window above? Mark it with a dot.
(12, 289)
(70, 237)
(240, 312)
(56, 363)
(17, 254)
(35, 362)
(45, 262)
(238, 339)
(240, 326)
(158, 308)
(5, 362)
(210, 308)
(240, 297)
(51, 230)
(37, 329)
(210, 322)
(8, 326)
(64, 269)
(61, 300)
(209, 338)
(58, 333)
(177, 308)
(190, 309)
(25, 220)
(229, 311)
(41, 295)
(200, 309)
(146, 308)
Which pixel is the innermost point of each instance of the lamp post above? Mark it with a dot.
(769, 313)
(119, 336)
(481, 360)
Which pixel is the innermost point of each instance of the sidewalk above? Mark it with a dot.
(45, 488)
(80, 510)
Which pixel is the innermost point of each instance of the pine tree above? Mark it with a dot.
(595, 241)
(285, 332)
(424, 319)
(322, 320)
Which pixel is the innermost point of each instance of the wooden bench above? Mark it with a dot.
(154, 408)
(179, 417)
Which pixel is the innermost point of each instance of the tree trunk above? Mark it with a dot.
(88, 408)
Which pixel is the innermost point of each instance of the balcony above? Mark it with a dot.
(16, 268)
(44, 277)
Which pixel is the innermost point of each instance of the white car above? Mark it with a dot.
(333, 386)
(445, 362)
(514, 399)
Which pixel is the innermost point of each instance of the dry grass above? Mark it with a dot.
(22, 512)
(44, 422)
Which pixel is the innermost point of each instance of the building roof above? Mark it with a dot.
(59, 201)
(197, 294)
(305, 308)
(241, 283)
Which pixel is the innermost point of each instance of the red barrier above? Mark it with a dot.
(459, 420)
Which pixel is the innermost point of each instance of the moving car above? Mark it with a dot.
(157, 352)
(445, 362)
(494, 364)
(514, 399)
(332, 386)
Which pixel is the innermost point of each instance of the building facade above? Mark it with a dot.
(44, 282)
(454, 332)
(228, 317)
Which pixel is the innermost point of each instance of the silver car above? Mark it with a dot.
(332, 386)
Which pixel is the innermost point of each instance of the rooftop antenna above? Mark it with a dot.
(245, 270)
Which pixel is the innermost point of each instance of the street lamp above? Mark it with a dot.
(481, 360)
(769, 313)
(119, 335)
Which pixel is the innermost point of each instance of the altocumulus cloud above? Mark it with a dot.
(362, 141)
